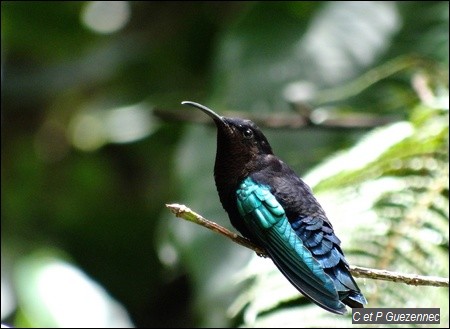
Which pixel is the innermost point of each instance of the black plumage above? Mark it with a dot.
(270, 205)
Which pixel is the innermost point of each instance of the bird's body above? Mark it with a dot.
(271, 206)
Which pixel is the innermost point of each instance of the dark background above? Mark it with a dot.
(95, 141)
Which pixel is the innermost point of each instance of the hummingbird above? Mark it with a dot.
(270, 205)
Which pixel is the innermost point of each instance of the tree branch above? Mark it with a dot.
(417, 280)
(354, 121)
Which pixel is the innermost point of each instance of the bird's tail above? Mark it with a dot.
(355, 300)
(346, 286)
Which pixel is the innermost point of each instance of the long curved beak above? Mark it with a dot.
(217, 118)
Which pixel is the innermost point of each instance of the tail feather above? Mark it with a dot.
(355, 300)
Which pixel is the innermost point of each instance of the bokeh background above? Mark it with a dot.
(95, 143)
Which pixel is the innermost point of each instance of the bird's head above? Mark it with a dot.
(236, 135)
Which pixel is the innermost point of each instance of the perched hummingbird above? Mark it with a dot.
(272, 207)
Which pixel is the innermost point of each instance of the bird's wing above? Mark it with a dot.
(320, 239)
(267, 221)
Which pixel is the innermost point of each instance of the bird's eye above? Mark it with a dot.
(248, 133)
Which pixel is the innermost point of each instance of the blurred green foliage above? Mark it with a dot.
(88, 164)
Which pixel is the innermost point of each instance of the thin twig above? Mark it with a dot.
(411, 279)
(186, 213)
(355, 121)
(417, 280)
